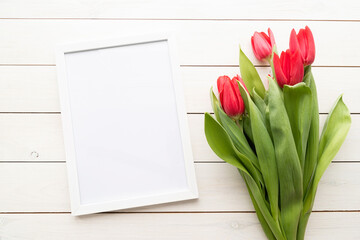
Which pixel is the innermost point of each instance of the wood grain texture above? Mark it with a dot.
(32, 168)
(34, 88)
(329, 226)
(42, 187)
(38, 137)
(202, 152)
(199, 42)
(184, 9)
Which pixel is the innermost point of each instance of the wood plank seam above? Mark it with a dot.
(179, 212)
(187, 19)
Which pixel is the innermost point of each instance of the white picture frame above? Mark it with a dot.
(87, 76)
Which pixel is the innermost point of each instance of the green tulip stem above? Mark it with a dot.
(240, 125)
(271, 62)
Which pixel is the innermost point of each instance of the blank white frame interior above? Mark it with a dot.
(125, 126)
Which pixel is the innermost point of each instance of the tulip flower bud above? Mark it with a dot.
(289, 68)
(238, 78)
(262, 44)
(304, 41)
(230, 97)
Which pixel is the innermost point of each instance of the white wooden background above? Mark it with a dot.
(34, 201)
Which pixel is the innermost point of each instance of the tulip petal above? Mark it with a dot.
(293, 43)
(220, 82)
(229, 100)
(296, 68)
(302, 44)
(238, 78)
(235, 85)
(310, 46)
(235, 88)
(262, 45)
(286, 64)
(280, 77)
(254, 49)
(272, 38)
(266, 37)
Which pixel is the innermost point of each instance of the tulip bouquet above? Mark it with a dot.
(272, 136)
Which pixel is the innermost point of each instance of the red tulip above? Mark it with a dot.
(304, 41)
(262, 44)
(238, 78)
(230, 97)
(289, 68)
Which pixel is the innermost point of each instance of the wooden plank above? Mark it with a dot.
(230, 9)
(29, 137)
(34, 88)
(198, 80)
(202, 151)
(28, 89)
(42, 187)
(199, 42)
(330, 226)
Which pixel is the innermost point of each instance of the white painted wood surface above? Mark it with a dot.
(42, 187)
(34, 201)
(166, 226)
(34, 88)
(29, 137)
(200, 42)
(182, 9)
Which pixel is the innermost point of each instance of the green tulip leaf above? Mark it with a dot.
(267, 230)
(264, 110)
(313, 139)
(311, 155)
(259, 102)
(289, 169)
(335, 129)
(265, 152)
(221, 144)
(246, 119)
(267, 121)
(214, 103)
(247, 128)
(237, 136)
(298, 104)
(272, 224)
(250, 75)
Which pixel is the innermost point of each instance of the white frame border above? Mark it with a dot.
(81, 209)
